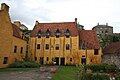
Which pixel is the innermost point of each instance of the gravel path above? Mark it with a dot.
(35, 74)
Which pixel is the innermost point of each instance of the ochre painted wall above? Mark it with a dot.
(75, 53)
(8, 41)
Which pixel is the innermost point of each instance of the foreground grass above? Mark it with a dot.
(65, 73)
(15, 69)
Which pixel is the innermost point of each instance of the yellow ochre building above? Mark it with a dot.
(63, 42)
(12, 42)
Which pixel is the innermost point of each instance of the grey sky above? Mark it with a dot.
(88, 12)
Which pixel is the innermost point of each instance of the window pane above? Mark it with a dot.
(67, 46)
(47, 46)
(57, 46)
(21, 50)
(95, 51)
(47, 59)
(5, 60)
(38, 46)
(15, 49)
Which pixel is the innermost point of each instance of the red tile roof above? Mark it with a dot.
(112, 48)
(62, 26)
(89, 38)
(16, 31)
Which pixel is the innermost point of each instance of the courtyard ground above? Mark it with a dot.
(35, 74)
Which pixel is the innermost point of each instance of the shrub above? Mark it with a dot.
(102, 67)
(117, 76)
(22, 64)
(98, 76)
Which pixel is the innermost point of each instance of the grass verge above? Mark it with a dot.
(65, 73)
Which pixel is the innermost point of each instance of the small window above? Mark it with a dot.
(48, 33)
(67, 46)
(67, 33)
(47, 59)
(47, 46)
(91, 60)
(39, 34)
(15, 49)
(106, 31)
(57, 33)
(57, 46)
(5, 60)
(95, 51)
(70, 59)
(35, 58)
(21, 50)
(38, 46)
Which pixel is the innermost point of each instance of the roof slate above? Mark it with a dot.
(62, 26)
(89, 38)
(112, 48)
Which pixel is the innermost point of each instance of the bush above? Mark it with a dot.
(22, 64)
(98, 76)
(117, 76)
(102, 67)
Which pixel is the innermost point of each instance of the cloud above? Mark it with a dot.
(88, 12)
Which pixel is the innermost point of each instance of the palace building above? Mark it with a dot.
(12, 42)
(65, 43)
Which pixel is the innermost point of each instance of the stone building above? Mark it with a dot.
(64, 42)
(111, 54)
(12, 44)
(103, 30)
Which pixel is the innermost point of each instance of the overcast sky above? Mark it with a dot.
(88, 12)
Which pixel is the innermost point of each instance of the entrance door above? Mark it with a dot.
(83, 60)
(41, 60)
(57, 60)
(62, 61)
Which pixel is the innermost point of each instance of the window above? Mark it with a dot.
(5, 60)
(48, 33)
(57, 33)
(47, 46)
(15, 49)
(70, 59)
(67, 33)
(39, 34)
(67, 46)
(47, 59)
(95, 51)
(35, 58)
(38, 46)
(21, 50)
(57, 46)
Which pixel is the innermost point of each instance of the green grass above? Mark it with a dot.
(15, 69)
(65, 73)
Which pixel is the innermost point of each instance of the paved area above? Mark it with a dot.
(35, 74)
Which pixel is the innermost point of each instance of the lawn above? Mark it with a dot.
(14, 69)
(65, 73)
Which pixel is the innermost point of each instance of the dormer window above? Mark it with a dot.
(67, 33)
(83, 46)
(39, 34)
(57, 33)
(48, 33)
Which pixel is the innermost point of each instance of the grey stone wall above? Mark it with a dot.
(111, 58)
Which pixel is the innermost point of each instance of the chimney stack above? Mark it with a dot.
(36, 23)
(98, 24)
(106, 24)
(4, 7)
(76, 21)
(17, 23)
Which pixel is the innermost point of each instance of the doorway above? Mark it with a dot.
(57, 60)
(41, 60)
(62, 61)
(83, 60)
